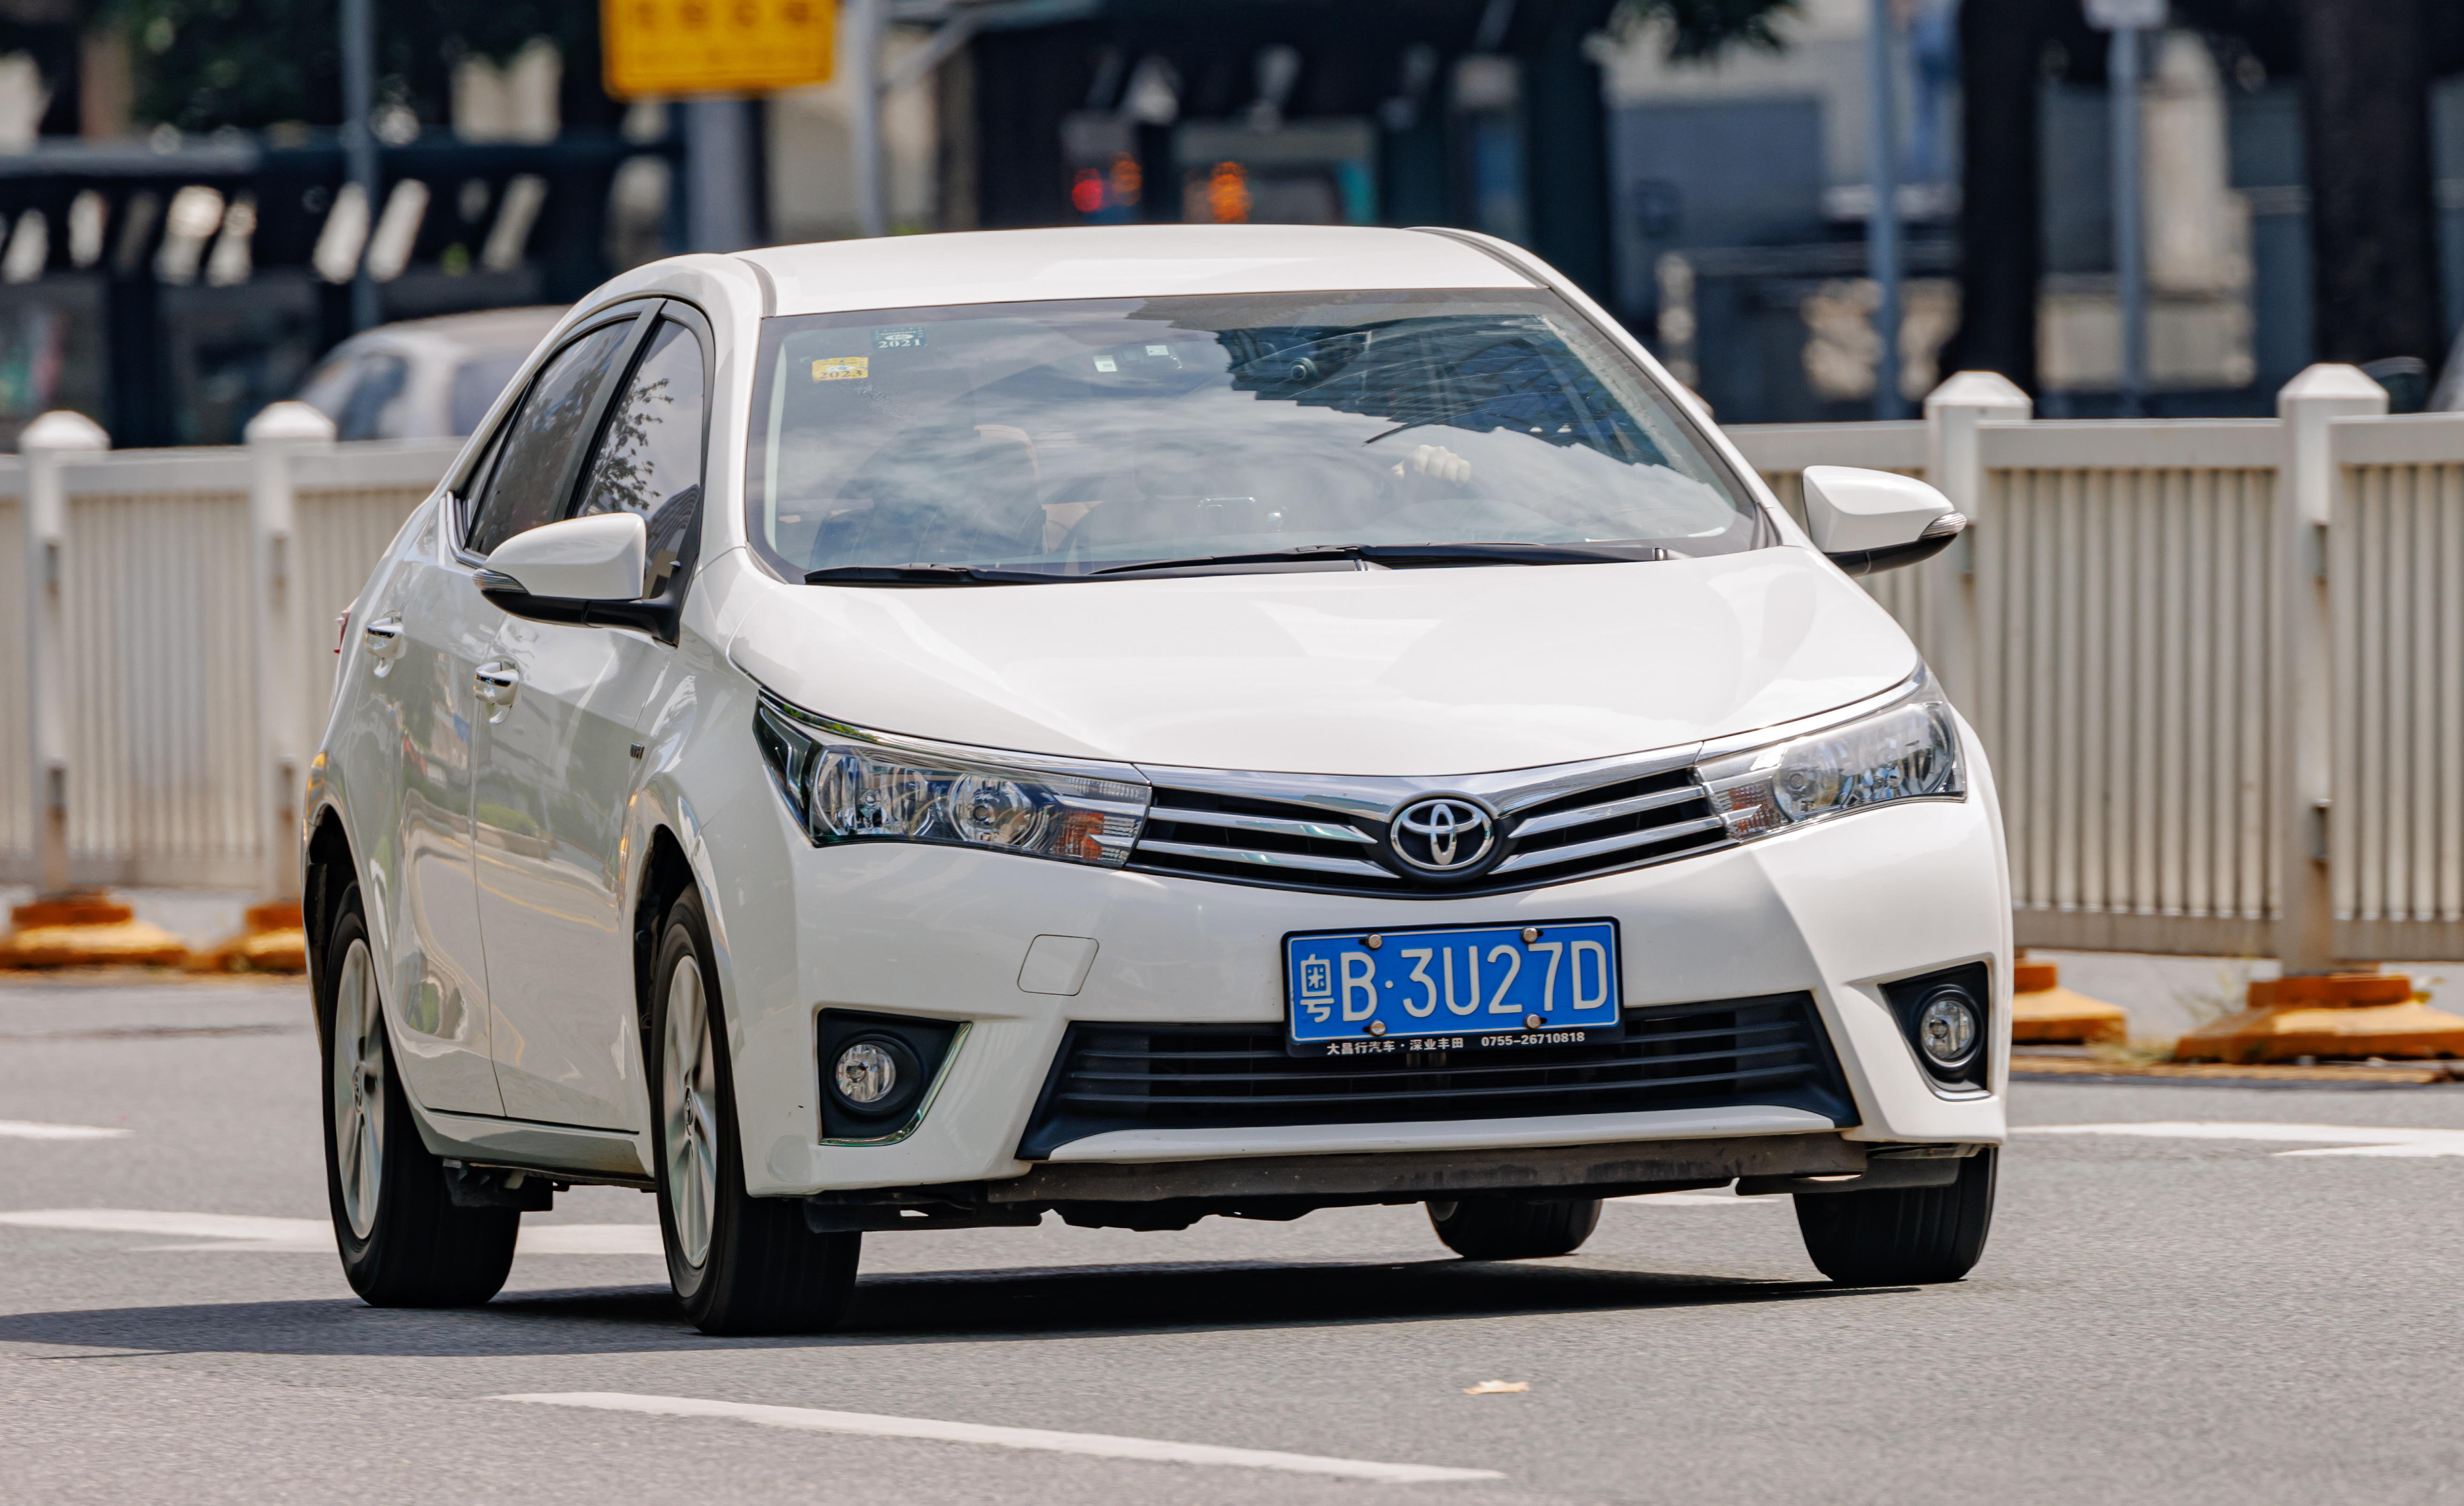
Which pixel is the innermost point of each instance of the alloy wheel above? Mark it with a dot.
(690, 1123)
(359, 1087)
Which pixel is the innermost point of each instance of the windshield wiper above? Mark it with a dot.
(1392, 556)
(1416, 556)
(925, 575)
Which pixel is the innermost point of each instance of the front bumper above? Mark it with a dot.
(1833, 911)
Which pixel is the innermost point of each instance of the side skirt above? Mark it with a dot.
(567, 1152)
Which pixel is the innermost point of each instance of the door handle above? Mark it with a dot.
(384, 640)
(497, 682)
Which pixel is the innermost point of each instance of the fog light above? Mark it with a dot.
(1947, 1026)
(867, 1073)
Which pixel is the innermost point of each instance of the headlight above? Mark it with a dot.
(846, 784)
(1906, 751)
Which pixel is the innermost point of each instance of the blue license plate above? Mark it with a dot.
(1475, 988)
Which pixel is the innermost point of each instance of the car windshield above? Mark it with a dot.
(1071, 438)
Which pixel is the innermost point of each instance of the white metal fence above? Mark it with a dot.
(178, 605)
(2216, 663)
(2395, 589)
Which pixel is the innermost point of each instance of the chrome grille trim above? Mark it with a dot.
(1250, 855)
(1279, 825)
(1372, 796)
(1650, 836)
(1559, 820)
(1327, 834)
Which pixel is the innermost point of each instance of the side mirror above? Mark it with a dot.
(1869, 521)
(597, 559)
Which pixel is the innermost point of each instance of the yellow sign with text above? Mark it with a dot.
(714, 46)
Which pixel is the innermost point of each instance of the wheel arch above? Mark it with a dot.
(328, 873)
(665, 874)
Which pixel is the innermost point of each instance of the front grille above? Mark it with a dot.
(1611, 825)
(1294, 845)
(1769, 1050)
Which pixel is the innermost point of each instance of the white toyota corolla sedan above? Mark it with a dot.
(1139, 724)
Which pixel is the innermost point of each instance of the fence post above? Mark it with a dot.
(49, 444)
(2313, 1010)
(1954, 463)
(2300, 703)
(275, 437)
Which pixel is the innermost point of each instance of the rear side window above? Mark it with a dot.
(536, 466)
(649, 454)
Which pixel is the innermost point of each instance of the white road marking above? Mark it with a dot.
(1700, 1200)
(194, 1225)
(251, 1234)
(28, 1129)
(1100, 1444)
(2338, 1139)
(590, 1239)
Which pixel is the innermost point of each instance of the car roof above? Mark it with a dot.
(1106, 261)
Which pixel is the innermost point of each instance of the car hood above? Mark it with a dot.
(1422, 671)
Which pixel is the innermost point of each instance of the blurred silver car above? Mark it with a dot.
(425, 378)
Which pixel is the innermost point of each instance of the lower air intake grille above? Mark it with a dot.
(1766, 1051)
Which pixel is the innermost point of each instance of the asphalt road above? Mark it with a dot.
(2161, 1317)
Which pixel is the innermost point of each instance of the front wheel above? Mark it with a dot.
(739, 1264)
(1509, 1229)
(1904, 1236)
(403, 1242)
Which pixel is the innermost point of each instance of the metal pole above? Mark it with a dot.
(2129, 248)
(1882, 223)
(719, 174)
(861, 28)
(359, 142)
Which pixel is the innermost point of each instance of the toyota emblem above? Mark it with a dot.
(1444, 836)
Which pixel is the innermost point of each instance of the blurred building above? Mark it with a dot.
(172, 284)
(1720, 208)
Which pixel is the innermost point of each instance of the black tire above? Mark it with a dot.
(416, 1249)
(759, 1267)
(1509, 1229)
(1908, 1236)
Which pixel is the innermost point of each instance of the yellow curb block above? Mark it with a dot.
(274, 939)
(2045, 1013)
(2339, 1014)
(2063, 1017)
(2277, 1034)
(84, 929)
(2023, 1066)
(140, 943)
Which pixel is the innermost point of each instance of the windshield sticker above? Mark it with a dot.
(842, 368)
(904, 337)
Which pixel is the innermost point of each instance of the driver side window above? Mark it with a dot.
(650, 455)
(534, 468)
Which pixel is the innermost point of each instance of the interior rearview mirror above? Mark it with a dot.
(596, 559)
(1869, 521)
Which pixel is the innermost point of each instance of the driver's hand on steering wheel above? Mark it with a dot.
(1435, 461)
